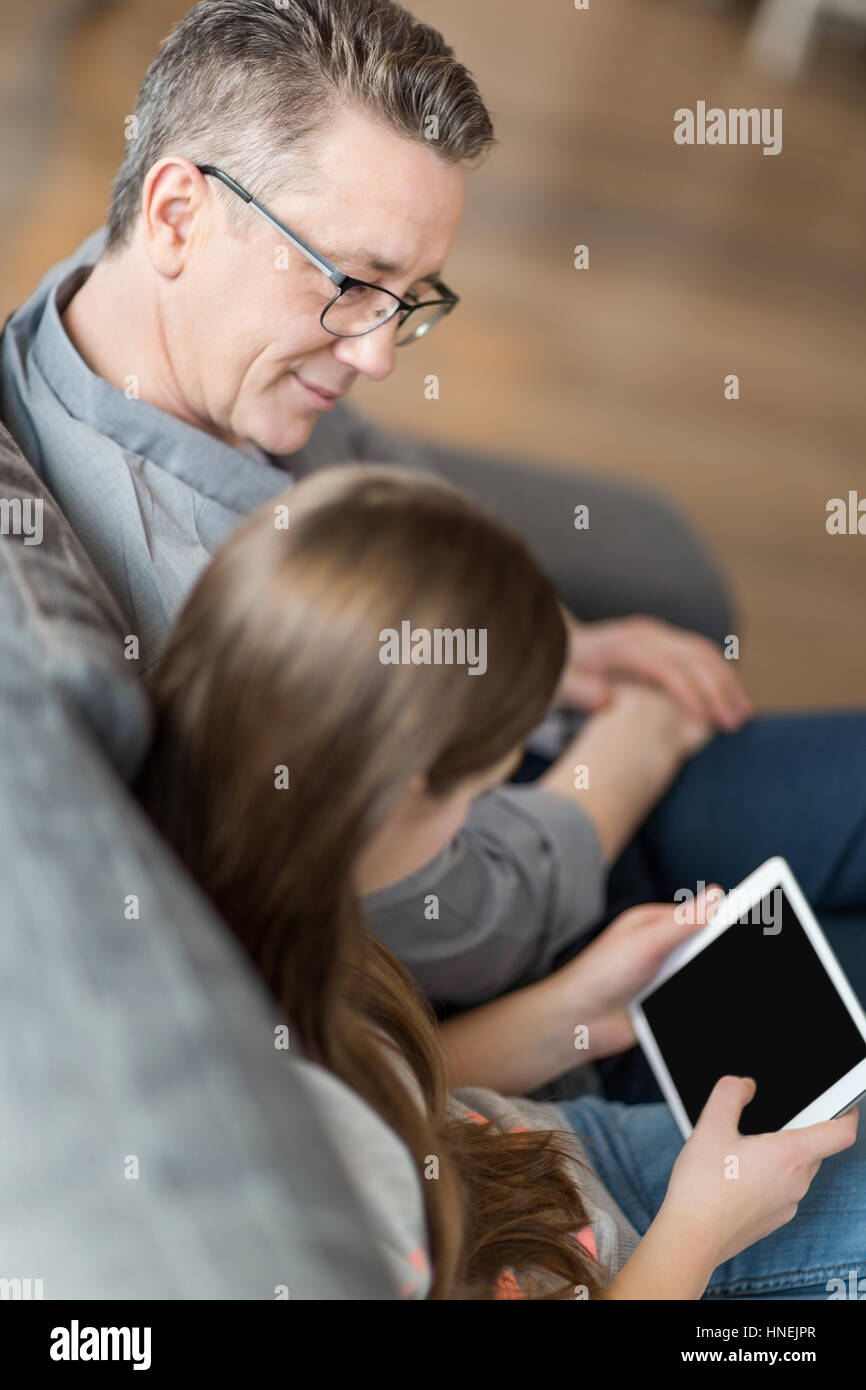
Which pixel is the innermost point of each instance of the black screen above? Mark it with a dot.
(756, 1002)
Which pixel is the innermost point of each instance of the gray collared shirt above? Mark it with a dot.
(151, 496)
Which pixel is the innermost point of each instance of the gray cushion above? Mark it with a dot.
(139, 1044)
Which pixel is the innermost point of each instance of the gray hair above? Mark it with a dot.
(248, 84)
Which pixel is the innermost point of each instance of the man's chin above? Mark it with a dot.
(282, 437)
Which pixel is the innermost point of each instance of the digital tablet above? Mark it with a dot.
(756, 992)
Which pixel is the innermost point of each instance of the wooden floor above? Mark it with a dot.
(703, 262)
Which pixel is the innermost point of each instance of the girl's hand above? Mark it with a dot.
(727, 1191)
(625, 957)
(633, 749)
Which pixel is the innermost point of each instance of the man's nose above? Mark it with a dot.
(371, 355)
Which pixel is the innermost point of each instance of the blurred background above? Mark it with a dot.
(704, 261)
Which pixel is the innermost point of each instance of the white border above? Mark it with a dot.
(774, 873)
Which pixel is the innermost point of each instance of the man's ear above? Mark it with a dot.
(174, 196)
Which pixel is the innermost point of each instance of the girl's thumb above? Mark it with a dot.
(727, 1100)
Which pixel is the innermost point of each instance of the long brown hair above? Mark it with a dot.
(273, 676)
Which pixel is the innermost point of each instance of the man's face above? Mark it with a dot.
(248, 356)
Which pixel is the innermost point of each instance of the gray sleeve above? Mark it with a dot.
(524, 878)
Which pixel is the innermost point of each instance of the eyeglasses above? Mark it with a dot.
(357, 307)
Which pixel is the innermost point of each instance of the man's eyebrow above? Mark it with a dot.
(362, 256)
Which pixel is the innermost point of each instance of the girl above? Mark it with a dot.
(292, 766)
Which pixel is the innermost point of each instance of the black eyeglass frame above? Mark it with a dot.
(339, 278)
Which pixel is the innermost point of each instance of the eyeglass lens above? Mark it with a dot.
(362, 308)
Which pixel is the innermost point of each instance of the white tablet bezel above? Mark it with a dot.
(774, 873)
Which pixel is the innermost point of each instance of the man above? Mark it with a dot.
(292, 187)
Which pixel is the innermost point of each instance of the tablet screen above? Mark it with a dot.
(756, 1002)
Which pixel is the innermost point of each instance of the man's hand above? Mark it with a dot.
(685, 664)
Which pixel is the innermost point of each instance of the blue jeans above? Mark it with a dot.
(793, 785)
(633, 1148)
